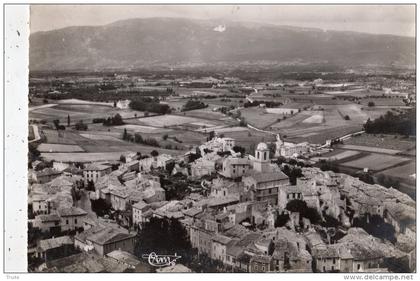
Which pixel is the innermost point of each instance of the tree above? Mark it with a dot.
(169, 167)
(346, 117)
(165, 137)
(272, 148)
(68, 120)
(329, 166)
(123, 159)
(154, 153)
(117, 120)
(163, 236)
(296, 206)
(90, 186)
(301, 207)
(211, 135)
(243, 123)
(239, 149)
(367, 178)
(371, 104)
(56, 123)
(125, 134)
(281, 220)
(80, 126)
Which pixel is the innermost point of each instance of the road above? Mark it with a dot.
(84, 203)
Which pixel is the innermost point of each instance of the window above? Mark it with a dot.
(332, 268)
(265, 155)
(358, 266)
(334, 261)
(323, 268)
(67, 221)
(75, 221)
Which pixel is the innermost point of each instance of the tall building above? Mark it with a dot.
(262, 158)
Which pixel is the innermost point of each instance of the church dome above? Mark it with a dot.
(262, 146)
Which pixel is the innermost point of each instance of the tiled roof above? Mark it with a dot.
(47, 172)
(96, 167)
(72, 211)
(268, 177)
(52, 243)
(48, 218)
(124, 257)
(109, 235)
(140, 205)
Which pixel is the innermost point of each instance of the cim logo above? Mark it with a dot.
(161, 260)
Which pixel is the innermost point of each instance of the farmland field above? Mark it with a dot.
(81, 102)
(339, 154)
(403, 172)
(282, 111)
(85, 112)
(315, 119)
(375, 162)
(142, 129)
(65, 137)
(81, 157)
(258, 117)
(369, 149)
(206, 113)
(100, 136)
(48, 147)
(382, 141)
(167, 120)
(383, 101)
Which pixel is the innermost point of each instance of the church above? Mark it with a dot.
(289, 149)
(262, 183)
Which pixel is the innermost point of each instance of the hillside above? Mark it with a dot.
(167, 41)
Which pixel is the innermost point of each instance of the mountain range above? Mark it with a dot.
(149, 42)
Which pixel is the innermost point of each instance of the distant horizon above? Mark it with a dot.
(225, 22)
(397, 20)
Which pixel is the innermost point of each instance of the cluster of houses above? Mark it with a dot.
(234, 220)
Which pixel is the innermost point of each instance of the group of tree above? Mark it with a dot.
(325, 165)
(100, 207)
(367, 178)
(304, 211)
(239, 149)
(282, 219)
(194, 104)
(293, 173)
(104, 94)
(57, 125)
(115, 120)
(388, 181)
(137, 138)
(80, 126)
(376, 226)
(33, 152)
(243, 122)
(163, 236)
(149, 105)
(390, 123)
(268, 104)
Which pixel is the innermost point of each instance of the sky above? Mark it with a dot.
(377, 19)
